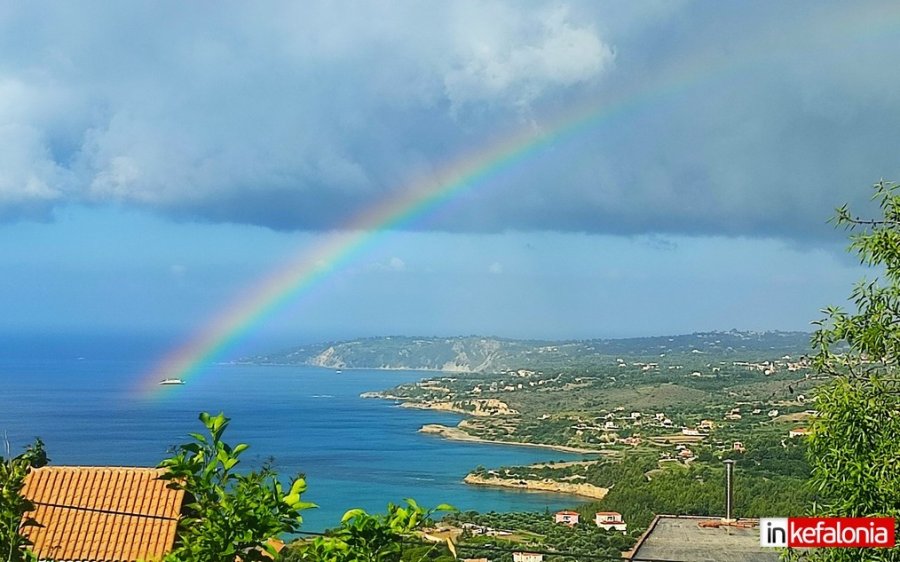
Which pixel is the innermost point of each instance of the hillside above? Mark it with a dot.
(488, 355)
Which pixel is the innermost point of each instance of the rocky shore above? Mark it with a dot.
(583, 490)
(457, 434)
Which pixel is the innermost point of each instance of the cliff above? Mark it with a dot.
(473, 354)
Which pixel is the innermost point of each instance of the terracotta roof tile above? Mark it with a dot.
(100, 514)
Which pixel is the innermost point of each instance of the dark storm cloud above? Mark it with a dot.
(747, 119)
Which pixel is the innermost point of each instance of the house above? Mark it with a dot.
(527, 557)
(738, 446)
(100, 514)
(690, 431)
(610, 520)
(567, 517)
(476, 529)
(798, 432)
(679, 537)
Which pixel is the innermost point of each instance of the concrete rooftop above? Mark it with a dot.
(682, 538)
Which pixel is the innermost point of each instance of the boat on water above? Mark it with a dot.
(171, 381)
(338, 372)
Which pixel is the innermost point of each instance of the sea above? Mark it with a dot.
(82, 395)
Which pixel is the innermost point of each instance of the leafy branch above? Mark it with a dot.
(853, 450)
(229, 515)
(13, 505)
(364, 537)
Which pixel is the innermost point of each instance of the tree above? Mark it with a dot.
(854, 445)
(373, 538)
(13, 505)
(228, 515)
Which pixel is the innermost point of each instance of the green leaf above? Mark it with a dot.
(351, 514)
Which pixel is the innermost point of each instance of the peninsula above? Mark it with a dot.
(657, 414)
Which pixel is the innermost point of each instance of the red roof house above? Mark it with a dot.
(101, 514)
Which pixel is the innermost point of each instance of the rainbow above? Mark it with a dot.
(303, 273)
(308, 269)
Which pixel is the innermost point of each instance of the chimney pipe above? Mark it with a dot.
(729, 490)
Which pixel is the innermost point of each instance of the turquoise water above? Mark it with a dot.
(82, 401)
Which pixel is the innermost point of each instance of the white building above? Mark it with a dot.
(567, 517)
(610, 520)
(527, 557)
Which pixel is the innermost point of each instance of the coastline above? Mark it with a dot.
(456, 434)
(336, 367)
(439, 407)
(583, 490)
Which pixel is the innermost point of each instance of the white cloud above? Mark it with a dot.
(305, 115)
(397, 264)
(515, 58)
(391, 264)
(27, 172)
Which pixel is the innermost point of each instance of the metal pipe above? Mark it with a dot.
(729, 489)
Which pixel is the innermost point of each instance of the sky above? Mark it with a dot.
(605, 169)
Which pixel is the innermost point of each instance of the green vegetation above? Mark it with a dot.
(664, 413)
(362, 537)
(663, 424)
(13, 507)
(648, 399)
(491, 535)
(228, 514)
(497, 355)
(854, 450)
(771, 478)
(641, 491)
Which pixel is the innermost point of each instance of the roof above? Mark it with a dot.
(702, 539)
(94, 514)
(567, 513)
(609, 513)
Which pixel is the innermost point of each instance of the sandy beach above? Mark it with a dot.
(583, 490)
